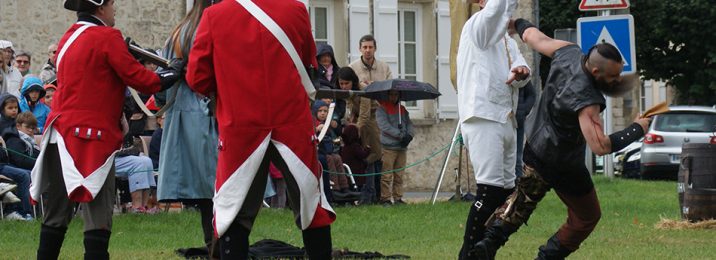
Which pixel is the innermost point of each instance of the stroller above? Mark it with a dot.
(352, 196)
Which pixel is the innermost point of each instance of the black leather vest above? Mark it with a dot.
(552, 130)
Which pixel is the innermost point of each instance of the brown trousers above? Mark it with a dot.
(583, 212)
(59, 209)
(392, 183)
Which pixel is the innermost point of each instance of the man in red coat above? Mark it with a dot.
(76, 162)
(263, 116)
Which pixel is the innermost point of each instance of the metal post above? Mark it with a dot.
(608, 122)
(458, 188)
(445, 163)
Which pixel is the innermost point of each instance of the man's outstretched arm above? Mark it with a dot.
(592, 128)
(534, 38)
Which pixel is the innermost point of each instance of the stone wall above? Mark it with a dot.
(32, 25)
(428, 140)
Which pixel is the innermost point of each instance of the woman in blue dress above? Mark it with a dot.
(188, 153)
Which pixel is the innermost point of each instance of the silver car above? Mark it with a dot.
(661, 151)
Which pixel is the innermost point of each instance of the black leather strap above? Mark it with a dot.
(521, 25)
(625, 137)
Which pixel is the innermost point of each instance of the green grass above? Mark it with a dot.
(630, 210)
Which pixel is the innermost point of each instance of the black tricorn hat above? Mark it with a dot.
(83, 5)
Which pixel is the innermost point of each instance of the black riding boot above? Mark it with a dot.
(234, 244)
(553, 250)
(51, 239)
(96, 244)
(495, 237)
(317, 242)
(488, 199)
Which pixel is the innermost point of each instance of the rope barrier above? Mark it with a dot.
(432, 155)
(32, 158)
(459, 139)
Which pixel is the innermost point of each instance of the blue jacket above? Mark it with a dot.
(39, 109)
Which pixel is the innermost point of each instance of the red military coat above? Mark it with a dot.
(92, 76)
(260, 99)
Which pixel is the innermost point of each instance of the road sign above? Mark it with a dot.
(618, 30)
(591, 5)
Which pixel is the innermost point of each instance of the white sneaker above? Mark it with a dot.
(5, 187)
(16, 216)
(10, 198)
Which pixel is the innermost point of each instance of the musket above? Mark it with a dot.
(148, 56)
(338, 93)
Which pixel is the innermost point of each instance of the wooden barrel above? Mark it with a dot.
(697, 182)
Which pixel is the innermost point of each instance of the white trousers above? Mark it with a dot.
(492, 149)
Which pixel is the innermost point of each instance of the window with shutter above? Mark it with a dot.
(358, 25)
(410, 49)
(447, 102)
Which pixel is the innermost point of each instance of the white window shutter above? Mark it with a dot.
(447, 102)
(358, 24)
(385, 26)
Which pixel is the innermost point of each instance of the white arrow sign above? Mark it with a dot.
(617, 30)
(606, 37)
(591, 5)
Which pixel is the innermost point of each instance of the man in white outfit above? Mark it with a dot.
(490, 71)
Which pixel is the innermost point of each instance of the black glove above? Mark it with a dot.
(405, 140)
(171, 75)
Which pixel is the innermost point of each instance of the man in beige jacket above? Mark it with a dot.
(368, 70)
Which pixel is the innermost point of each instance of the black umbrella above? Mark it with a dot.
(410, 90)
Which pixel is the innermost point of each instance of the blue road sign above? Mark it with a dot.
(617, 30)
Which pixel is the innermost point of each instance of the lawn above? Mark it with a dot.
(627, 229)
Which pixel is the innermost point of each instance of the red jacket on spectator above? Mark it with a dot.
(92, 76)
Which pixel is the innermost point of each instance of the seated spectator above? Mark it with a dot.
(156, 142)
(6, 188)
(11, 75)
(32, 92)
(10, 107)
(20, 176)
(20, 141)
(138, 170)
(19, 190)
(23, 61)
(279, 185)
(135, 116)
(328, 149)
(353, 152)
(48, 70)
(49, 93)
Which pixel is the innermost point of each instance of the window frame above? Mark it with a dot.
(328, 5)
(417, 110)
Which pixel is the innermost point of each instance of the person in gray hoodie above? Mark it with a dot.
(396, 133)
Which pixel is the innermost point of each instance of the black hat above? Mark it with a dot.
(83, 5)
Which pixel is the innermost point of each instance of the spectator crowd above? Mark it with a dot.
(363, 135)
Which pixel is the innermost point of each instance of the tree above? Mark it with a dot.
(675, 40)
(556, 14)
